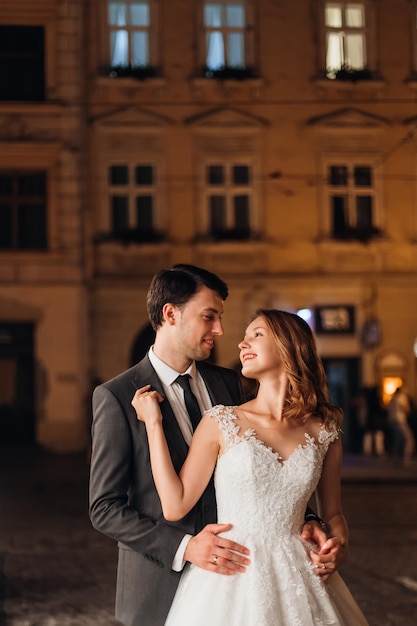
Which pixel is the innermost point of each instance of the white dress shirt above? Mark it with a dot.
(174, 393)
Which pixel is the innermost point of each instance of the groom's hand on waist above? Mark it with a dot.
(217, 554)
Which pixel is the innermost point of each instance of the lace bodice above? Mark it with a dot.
(256, 490)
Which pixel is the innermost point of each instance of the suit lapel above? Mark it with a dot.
(218, 390)
(146, 375)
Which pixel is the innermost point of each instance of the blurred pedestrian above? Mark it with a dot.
(373, 416)
(402, 442)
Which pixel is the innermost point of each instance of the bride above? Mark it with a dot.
(269, 456)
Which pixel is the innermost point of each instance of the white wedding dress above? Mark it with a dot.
(265, 499)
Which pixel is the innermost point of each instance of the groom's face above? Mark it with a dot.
(198, 323)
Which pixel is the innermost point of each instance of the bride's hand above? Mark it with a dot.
(146, 404)
(329, 558)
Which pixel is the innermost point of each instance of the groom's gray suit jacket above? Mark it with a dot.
(124, 504)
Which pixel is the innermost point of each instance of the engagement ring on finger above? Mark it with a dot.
(323, 566)
(215, 560)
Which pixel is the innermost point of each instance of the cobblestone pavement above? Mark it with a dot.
(56, 570)
(382, 568)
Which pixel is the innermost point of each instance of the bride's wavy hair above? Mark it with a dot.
(307, 392)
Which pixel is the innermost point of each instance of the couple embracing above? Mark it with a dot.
(258, 556)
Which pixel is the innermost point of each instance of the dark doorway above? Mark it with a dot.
(143, 342)
(17, 405)
(343, 376)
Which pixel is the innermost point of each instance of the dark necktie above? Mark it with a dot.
(190, 400)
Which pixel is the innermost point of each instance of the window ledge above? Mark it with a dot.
(202, 80)
(26, 108)
(227, 86)
(229, 236)
(231, 243)
(332, 85)
(130, 81)
(128, 245)
(118, 259)
(411, 81)
(28, 255)
(131, 238)
(326, 240)
(239, 257)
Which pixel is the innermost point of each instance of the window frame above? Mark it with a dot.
(133, 233)
(11, 16)
(21, 156)
(370, 68)
(131, 191)
(248, 42)
(34, 63)
(231, 232)
(17, 200)
(352, 192)
(152, 42)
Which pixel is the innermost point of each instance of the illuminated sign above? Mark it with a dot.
(335, 319)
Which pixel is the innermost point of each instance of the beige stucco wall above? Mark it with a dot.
(88, 299)
(61, 358)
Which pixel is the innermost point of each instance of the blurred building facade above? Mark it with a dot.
(270, 141)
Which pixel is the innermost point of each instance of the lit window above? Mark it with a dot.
(129, 26)
(132, 198)
(351, 191)
(23, 218)
(229, 190)
(345, 37)
(225, 27)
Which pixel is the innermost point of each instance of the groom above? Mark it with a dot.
(185, 306)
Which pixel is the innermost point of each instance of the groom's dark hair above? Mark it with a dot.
(178, 285)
